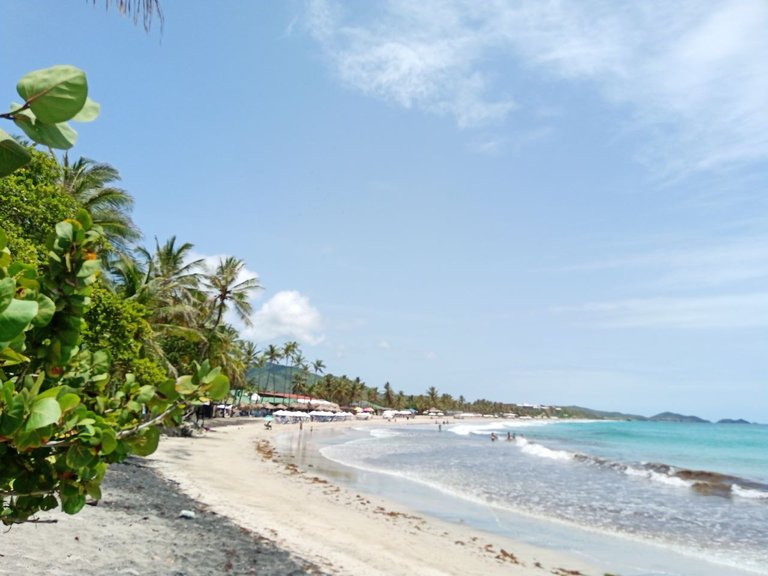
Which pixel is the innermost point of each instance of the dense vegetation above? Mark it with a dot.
(84, 377)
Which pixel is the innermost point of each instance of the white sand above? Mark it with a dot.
(232, 471)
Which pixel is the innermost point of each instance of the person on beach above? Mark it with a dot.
(494, 437)
(509, 436)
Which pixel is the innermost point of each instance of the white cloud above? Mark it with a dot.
(706, 312)
(287, 315)
(691, 73)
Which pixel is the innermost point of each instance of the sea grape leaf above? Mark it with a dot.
(72, 503)
(146, 393)
(145, 443)
(45, 311)
(79, 456)
(88, 268)
(218, 387)
(89, 112)
(60, 136)
(44, 411)
(108, 440)
(9, 356)
(185, 386)
(68, 401)
(12, 154)
(15, 318)
(100, 361)
(208, 378)
(54, 94)
(12, 416)
(167, 388)
(7, 291)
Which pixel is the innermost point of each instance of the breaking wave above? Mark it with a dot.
(703, 482)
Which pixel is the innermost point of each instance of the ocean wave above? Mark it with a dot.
(542, 451)
(498, 426)
(468, 429)
(704, 482)
(749, 492)
(383, 433)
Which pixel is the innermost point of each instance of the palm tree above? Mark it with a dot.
(432, 395)
(389, 395)
(273, 354)
(260, 362)
(91, 184)
(167, 283)
(289, 351)
(227, 291)
(318, 367)
(146, 8)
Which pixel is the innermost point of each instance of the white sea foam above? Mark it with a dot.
(467, 429)
(737, 490)
(383, 433)
(542, 451)
(498, 425)
(657, 477)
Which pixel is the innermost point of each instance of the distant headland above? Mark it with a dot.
(580, 411)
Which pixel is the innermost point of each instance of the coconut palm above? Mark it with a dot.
(389, 395)
(146, 9)
(260, 362)
(432, 396)
(289, 351)
(229, 290)
(92, 185)
(175, 283)
(273, 355)
(318, 366)
(167, 283)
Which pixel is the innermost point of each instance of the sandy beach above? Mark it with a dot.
(256, 512)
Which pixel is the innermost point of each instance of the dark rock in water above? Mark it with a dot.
(673, 417)
(732, 421)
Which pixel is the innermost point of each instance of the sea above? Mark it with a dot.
(638, 498)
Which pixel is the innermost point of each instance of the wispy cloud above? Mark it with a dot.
(414, 54)
(730, 262)
(713, 312)
(691, 74)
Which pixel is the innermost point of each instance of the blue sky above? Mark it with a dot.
(542, 202)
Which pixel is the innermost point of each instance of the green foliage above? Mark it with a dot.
(63, 417)
(52, 96)
(120, 326)
(31, 203)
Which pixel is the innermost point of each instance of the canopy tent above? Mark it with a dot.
(289, 417)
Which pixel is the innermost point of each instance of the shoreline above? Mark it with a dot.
(236, 471)
(257, 512)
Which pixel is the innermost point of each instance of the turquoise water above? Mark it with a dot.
(644, 498)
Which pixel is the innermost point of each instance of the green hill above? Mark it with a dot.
(591, 414)
(674, 417)
(276, 378)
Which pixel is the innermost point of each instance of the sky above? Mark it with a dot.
(523, 201)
